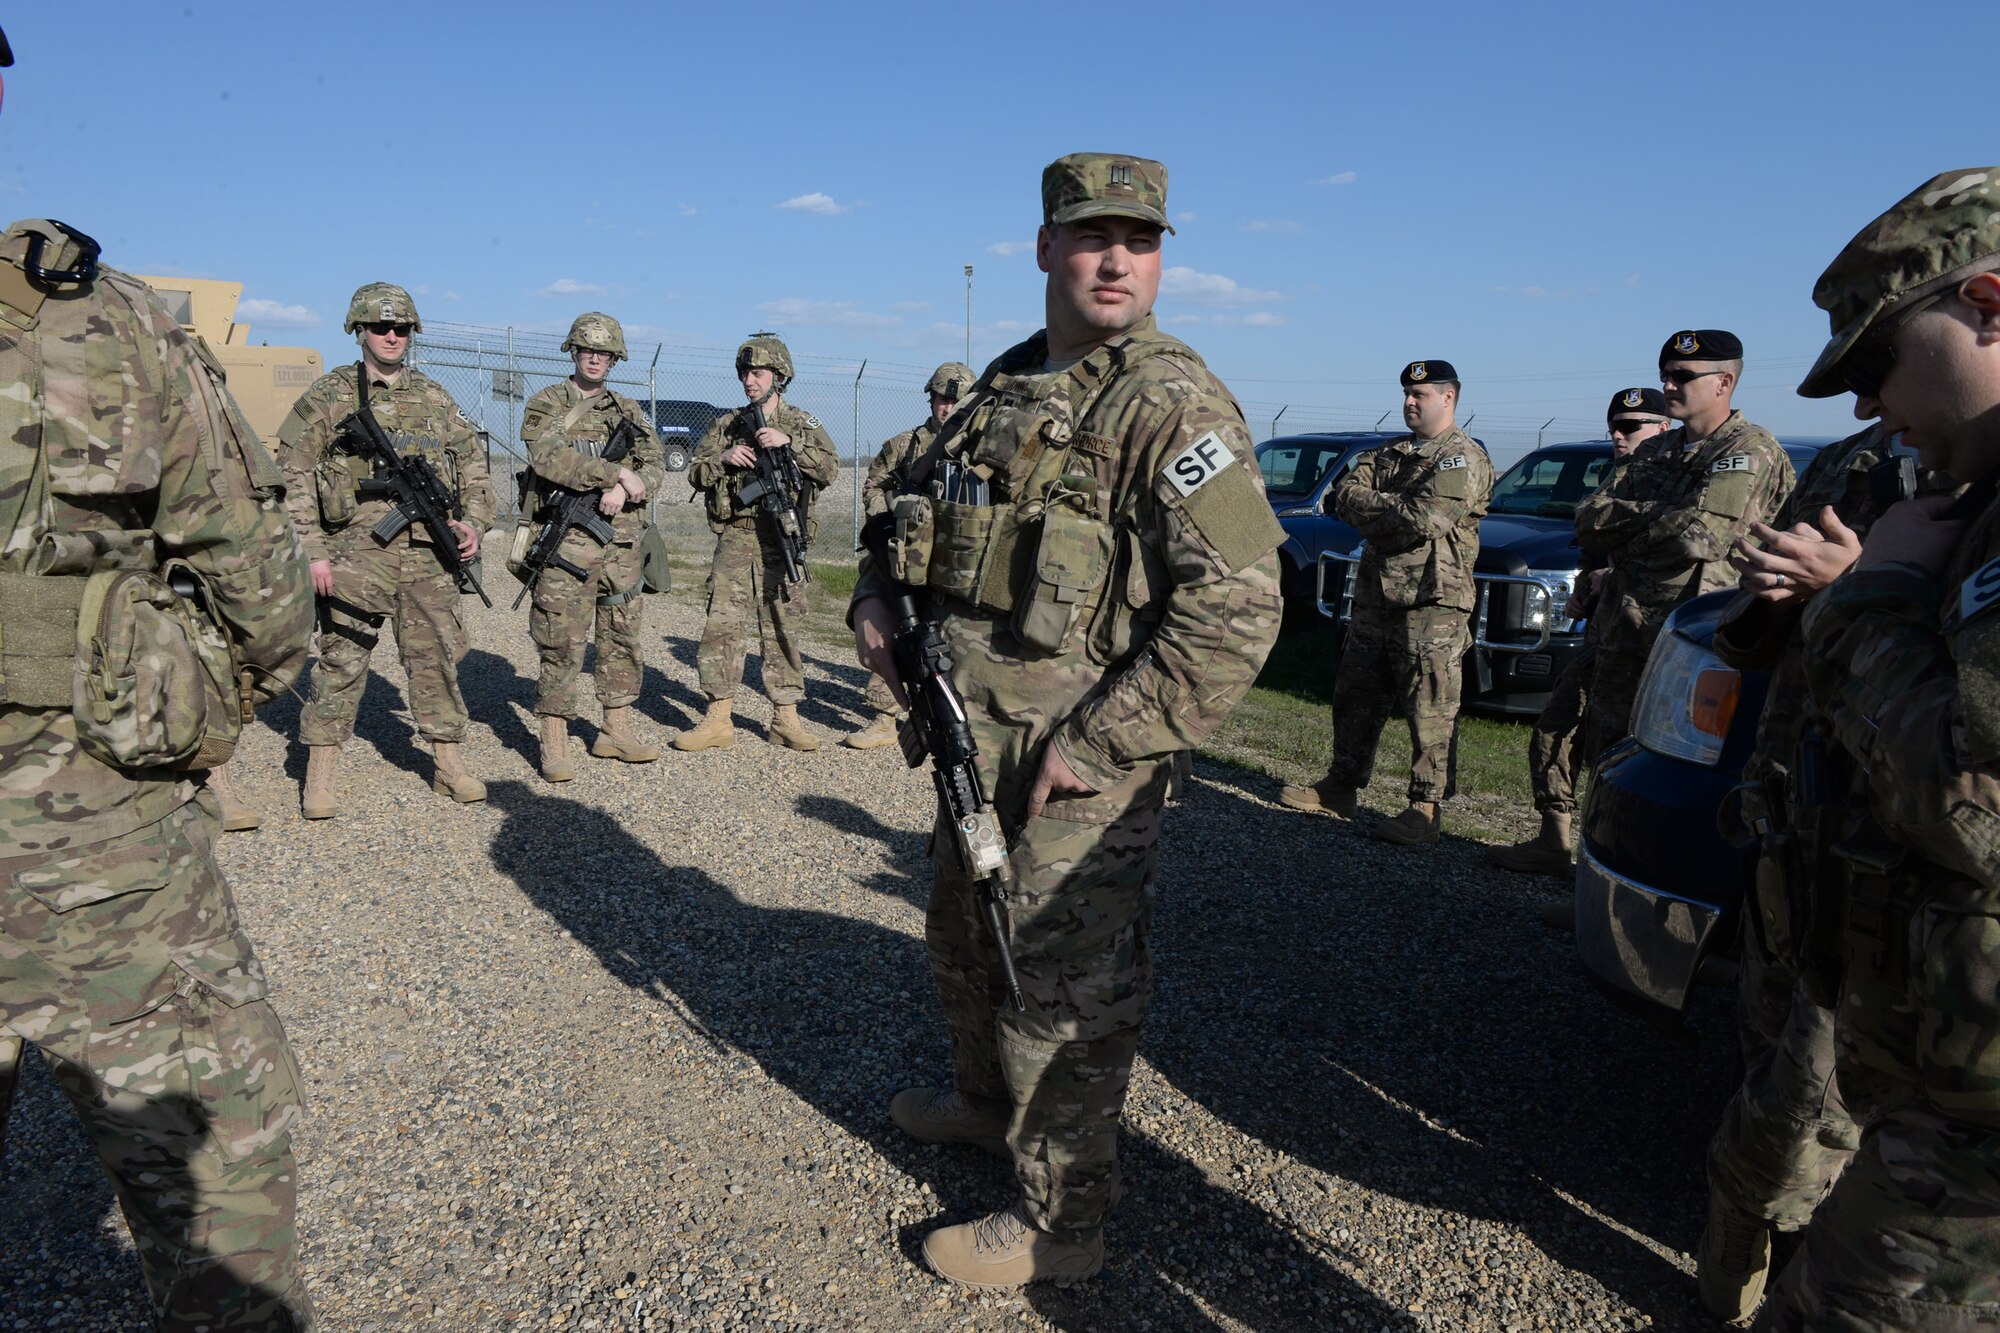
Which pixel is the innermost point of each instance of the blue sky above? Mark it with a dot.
(1539, 193)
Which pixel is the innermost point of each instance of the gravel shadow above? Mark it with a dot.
(842, 1013)
(1398, 1018)
(505, 697)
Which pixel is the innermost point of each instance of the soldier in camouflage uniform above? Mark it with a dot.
(1786, 1135)
(1667, 523)
(1555, 748)
(947, 384)
(747, 581)
(1901, 936)
(567, 427)
(1417, 501)
(361, 581)
(122, 957)
(1106, 609)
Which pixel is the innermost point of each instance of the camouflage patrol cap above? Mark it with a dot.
(1943, 232)
(766, 350)
(951, 380)
(595, 332)
(381, 302)
(1090, 185)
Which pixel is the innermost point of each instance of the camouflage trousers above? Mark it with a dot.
(126, 965)
(1407, 664)
(1786, 1134)
(1079, 920)
(1553, 745)
(746, 586)
(879, 697)
(560, 618)
(1909, 1239)
(1614, 695)
(404, 583)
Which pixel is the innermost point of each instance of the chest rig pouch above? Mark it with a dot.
(1021, 514)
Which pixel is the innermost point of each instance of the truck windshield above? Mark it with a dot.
(1550, 483)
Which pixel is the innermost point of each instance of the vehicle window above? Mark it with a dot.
(1293, 469)
(1550, 485)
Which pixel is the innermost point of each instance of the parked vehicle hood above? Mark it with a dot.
(1517, 543)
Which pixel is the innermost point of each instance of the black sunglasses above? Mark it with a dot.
(1626, 427)
(383, 327)
(1680, 379)
(1870, 360)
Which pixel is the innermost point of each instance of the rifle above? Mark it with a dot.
(937, 728)
(779, 493)
(574, 510)
(419, 494)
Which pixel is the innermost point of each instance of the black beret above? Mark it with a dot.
(1636, 403)
(1702, 345)
(6, 51)
(1428, 372)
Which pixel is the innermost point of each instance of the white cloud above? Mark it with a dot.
(273, 315)
(814, 203)
(1256, 319)
(687, 210)
(1279, 226)
(834, 314)
(911, 307)
(1181, 283)
(571, 287)
(1337, 178)
(1006, 248)
(1187, 217)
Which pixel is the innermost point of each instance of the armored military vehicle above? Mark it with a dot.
(264, 380)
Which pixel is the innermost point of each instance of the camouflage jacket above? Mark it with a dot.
(418, 415)
(886, 473)
(1182, 603)
(720, 481)
(121, 448)
(567, 450)
(1905, 669)
(1670, 517)
(1418, 504)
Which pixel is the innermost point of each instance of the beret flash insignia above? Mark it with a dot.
(1419, 371)
(1633, 398)
(1686, 342)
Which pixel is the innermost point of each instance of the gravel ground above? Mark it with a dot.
(616, 1054)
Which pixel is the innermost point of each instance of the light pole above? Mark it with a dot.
(968, 314)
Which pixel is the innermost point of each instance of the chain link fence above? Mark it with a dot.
(492, 372)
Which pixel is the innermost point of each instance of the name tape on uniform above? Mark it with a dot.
(1980, 591)
(1198, 464)
(1733, 463)
(1455, 461)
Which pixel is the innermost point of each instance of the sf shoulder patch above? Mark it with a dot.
(1980, 592)
(812, 422)
(1733, 463)
(1222, 502)
(1453, 479)
(1198, 464)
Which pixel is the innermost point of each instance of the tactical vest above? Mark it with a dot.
(1020, 517)
(90, 620)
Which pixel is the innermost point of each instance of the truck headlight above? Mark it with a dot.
(1687, 699)
(1542, 602)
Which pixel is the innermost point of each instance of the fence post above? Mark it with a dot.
(1538, 434)
(857, 449)
(1379, 420)
(1280, 417)
(513, 397)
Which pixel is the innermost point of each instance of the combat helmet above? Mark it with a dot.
(596, 332)
(951, 380)
(382, 302)
(766, 351)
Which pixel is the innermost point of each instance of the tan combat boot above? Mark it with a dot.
(556, 766)
(450, 775)
(322, 779)
(714, 732)
(946, 1115)
(1733, 1261)
(789, 731)
(1322, 797)
(237, 816)
(1416, 825)
(1002, 1250)
(1547, 853)
(874, 736)
(616, 741)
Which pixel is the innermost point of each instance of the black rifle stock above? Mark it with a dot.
(574, 511)
(779, 493)
(415, 487)
(937, 728)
